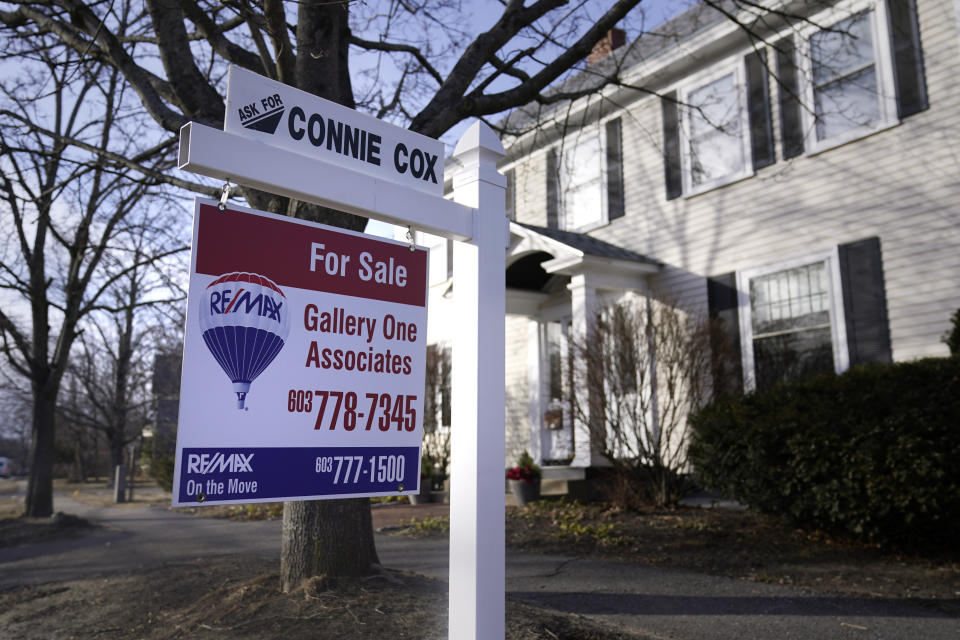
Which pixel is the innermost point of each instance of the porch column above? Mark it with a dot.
(583, 306)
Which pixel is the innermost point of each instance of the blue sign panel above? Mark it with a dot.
(222, 475)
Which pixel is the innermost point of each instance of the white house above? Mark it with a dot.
(798, 178)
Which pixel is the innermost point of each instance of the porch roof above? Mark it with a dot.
(587, 245)
(542, 262)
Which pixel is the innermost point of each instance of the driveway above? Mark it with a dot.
(656, 602)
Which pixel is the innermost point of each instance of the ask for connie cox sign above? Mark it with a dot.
(303, 363)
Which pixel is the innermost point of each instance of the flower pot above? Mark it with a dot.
(524, 491)
(423, 497)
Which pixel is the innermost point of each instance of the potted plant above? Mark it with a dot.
(524, 480)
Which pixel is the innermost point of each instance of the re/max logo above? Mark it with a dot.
(204, 463)
(221, 302)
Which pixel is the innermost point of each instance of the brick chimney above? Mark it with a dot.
(613, 39)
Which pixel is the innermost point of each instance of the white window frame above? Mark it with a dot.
(597, 130)
(565, 323)
(541, 402)
(838, 326)
(737, 67)
(883, 64)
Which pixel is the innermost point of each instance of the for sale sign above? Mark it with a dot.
(303, 364)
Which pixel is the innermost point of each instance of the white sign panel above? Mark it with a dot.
(303, 363)
(282, 116)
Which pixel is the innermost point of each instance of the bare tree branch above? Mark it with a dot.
(193, 91)
(149, 87)
(396, 47)
(213, 34)
(283, 50)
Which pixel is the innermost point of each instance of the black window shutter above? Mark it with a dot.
(553, 190)
(907, 58)
(723, 304)
(865, 301)
(511, 204)
(614, 170)
(671, 146)
(791, 124)
(758, 108)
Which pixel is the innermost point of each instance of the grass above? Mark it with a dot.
(426, 526)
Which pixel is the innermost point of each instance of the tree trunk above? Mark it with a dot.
(326, 537)
(132, 471)
(115, 436)
(39, 502)
(76, 469)
(332, 537)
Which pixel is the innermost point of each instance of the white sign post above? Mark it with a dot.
(477, 562)
(476, 219)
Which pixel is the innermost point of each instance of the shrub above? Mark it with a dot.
(952, 337)
(871, 452)
(633, 376)
(161, 468)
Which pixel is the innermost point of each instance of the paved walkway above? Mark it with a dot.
(653, 602)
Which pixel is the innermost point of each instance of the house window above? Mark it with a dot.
(859, 74)
(555, 376)
(845, 83)
(585, 179)
(449, 256)
(581, 182)
(717, 128)
(555, 346)
(863, 70)
(792, 322)
(436, 400)
(511, 194)
(715, 149)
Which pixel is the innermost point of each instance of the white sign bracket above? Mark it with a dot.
(230, 157)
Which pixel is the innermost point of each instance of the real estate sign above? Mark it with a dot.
(282, 116)
(304, 361)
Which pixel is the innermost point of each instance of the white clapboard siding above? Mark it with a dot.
(901, 184)
(518, 391)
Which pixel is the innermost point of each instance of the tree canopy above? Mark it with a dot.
(416, 63)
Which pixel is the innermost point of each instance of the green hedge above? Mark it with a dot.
(874, 452)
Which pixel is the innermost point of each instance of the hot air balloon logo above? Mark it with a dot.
(244, 320)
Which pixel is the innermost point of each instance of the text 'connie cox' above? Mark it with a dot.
(359, 144)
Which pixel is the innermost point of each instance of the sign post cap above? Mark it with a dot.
(479, 135)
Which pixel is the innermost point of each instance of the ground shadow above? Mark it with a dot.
(677, 605)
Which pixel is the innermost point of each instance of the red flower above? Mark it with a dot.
(521, 473)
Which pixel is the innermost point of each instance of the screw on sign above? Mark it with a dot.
(244, 320)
